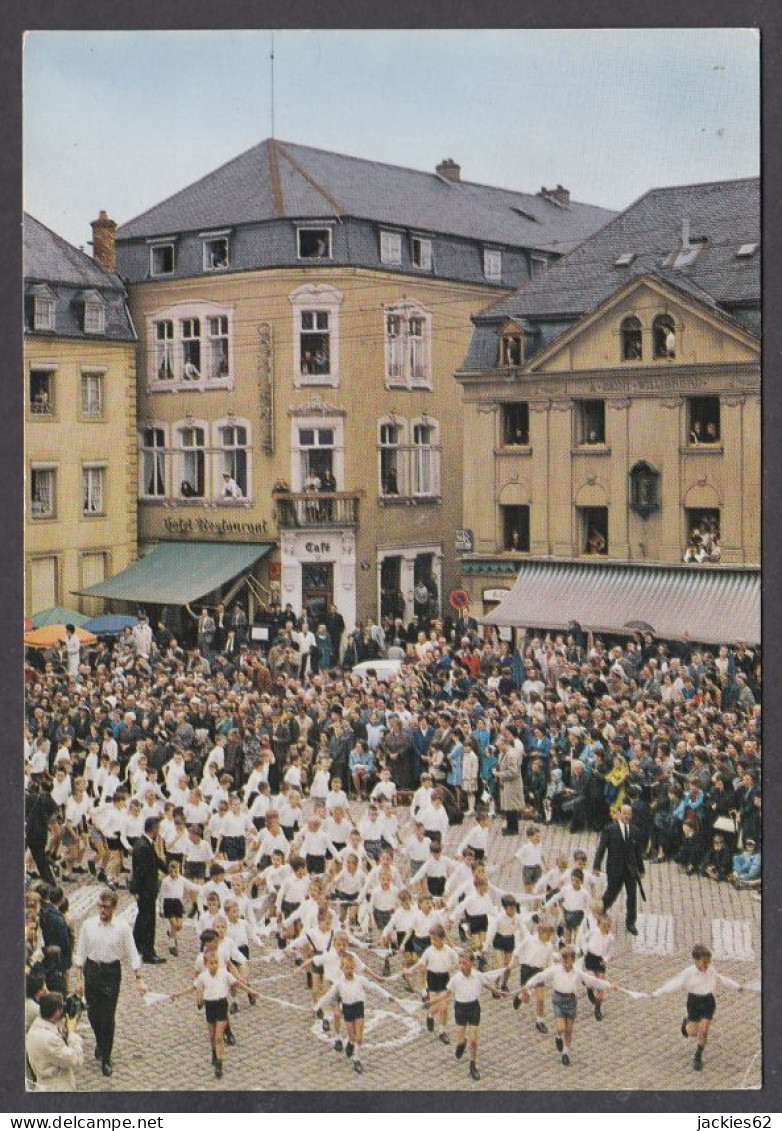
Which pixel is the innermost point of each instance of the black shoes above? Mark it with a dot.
(631, 929)
(444, 1038)
(566, 1059)
(107, 1068)
(698, 1061)
(474, 1070)
(541, 1026)
(358, 1067)
(560, 1044)
(153, 960)
(230, 1039)
(218, 1069)
(517, 1001)
(349, 1047)
(684, 1028)
(430, 1024)
(591, 995)
(338, 1046)
(598, 1011)
(460, 1050)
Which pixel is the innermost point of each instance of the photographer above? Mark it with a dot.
(54, 1049)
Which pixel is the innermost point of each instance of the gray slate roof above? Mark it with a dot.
(726, 213)
(71, 276)
(278, 179)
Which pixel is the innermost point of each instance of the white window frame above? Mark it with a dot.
(208, 238)
(425, 259)
(180, 451)
(220, 464)
(158, 246)
(400, 448)
(178, 315)
(51, 469)
(44, 313)
(161, 450)
(433, 448)
(301, 228)
(93, 492)
(316, 297)
(85, 410)
(492, 264)
(316, 424)
(96, 311)
(400, 365)
(390, 248)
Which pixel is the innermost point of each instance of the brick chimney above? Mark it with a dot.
(104, 242)
(559, 194)
(449, 169)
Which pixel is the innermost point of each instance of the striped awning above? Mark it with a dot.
(707, 604)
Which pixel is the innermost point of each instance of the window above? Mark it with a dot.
(625, 259)
(314, 243)
(192, 461)
(316, 454)
(218, 348)
(94, 318)
(421, 253)
(92, 394)
(216, 253)
(703, 535)
(515, 528)
(43, 313)
(492, 265)
(538, 263)
(153, 463)
(631, 339)
(93, 490)
(391, 248)
(593, 523)
(161, 259)
(703, 420)
(44, 587)
(590, 422)
(391, 456)
(316, 335)
(233, 461)
(408, 338)
(515, 424)
(315, 343)
(511, 349)
(164, 350)
(746, 250)
(191, 349)
(664, 336)
(43, 496)
(42, 392)
(426, 459)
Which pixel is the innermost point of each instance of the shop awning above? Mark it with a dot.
(710, 605)
(176, 573)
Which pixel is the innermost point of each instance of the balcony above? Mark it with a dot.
(316, 510)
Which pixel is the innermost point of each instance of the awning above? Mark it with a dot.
(176, 573)
(710, 605)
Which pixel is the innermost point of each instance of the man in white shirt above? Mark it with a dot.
(231, 489)
(54, 1056)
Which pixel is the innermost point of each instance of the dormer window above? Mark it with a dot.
(314, 243)
(492, 265)
(747, 250)
(41, 308)
(391, 248)
(512, 349)
(216, 253)
(93, 313)
(161, 259)
(664, 337)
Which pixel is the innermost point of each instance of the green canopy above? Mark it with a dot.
(57, 615)
(176, 573)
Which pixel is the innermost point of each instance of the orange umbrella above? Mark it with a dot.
(53, 634)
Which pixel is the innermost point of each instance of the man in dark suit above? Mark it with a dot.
(624, 864)
(147, 862)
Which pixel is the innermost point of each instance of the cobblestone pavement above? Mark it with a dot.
(637, 1046)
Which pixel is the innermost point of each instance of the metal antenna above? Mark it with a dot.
(271, 56)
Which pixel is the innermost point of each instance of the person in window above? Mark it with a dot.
(596, 543)
(191, 371)
(308, 362)
(670, 341)
(696, 433)
(321, 248)
(391, 484)
(40, 401)
(231, 489)
(593, 437)
(320, 362)
(632, 349)
(186, 490)
(711, 436)
(329, 484)
(514, 542)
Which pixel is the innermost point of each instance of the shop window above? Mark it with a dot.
(515, 424)
(703, 420)
(590, 422)
(703, 535)
(631, 339)
(42, 392)
(664, 337)
(43, 492)
(161, 259)
(314, 243)
(593, 529)
(515, 528)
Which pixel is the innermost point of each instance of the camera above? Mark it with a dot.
(74, 1005)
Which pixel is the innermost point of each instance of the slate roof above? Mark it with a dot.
(726, 213)
(71, 276)
(278, 179)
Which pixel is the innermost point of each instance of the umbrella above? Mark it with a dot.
(53, 634)
(109, 624)
(57, 615)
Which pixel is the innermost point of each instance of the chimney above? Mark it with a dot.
(449, 170)
(104, 242)
(559, 195)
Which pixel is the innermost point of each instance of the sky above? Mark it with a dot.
(121, 120)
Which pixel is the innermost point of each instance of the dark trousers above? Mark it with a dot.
(512, 821)
(38, 853)
(615, 885)
(101, 989)
(144, 927)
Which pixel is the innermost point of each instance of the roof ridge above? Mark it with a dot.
(308, 177)
(704, 184)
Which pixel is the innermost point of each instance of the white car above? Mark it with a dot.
(384, 670)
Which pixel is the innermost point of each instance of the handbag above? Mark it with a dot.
(724, 825)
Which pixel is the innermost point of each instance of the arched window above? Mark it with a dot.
(425, 457)
(664, 336)
(391, 439)
(233, 449)
(630, 335)
(152, 465)
(191, 453)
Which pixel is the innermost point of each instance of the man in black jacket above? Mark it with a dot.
(147, 862)
(624, 863)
